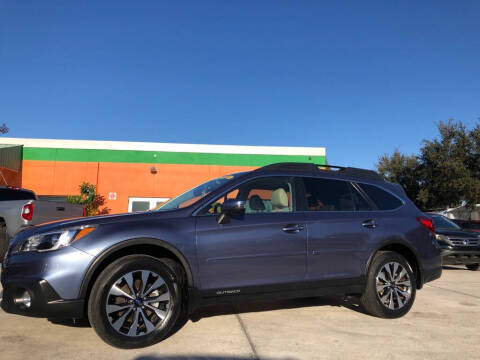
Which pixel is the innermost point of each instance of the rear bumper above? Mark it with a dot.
(453, 256)
(45, 302)
(432, 274)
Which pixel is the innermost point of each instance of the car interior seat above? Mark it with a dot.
(254, 204)
(279, 200)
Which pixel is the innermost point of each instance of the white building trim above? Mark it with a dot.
(168, 147)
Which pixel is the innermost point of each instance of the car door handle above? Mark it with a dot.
(369, 224)
(293, 228)
(60, 208)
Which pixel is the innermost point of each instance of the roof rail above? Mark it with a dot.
(310, 167)
(292, 166)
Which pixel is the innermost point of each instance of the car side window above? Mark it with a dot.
(215, 207)
(261, 195)
(327, 195)
(381, 198)
(360, 203)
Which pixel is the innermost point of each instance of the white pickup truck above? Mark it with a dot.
(20, 208)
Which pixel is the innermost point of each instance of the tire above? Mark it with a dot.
(3, 241)
(388, 296)
(136, 321)
(473, 267)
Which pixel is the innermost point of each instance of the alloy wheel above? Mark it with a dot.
(138, 303)
(393, 285)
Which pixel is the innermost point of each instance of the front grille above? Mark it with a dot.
(466, 242)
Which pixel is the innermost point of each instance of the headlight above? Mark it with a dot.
(443, 238)
(55, 240)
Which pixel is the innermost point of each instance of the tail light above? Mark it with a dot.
(84, 211)
(427, 222)
(27, 212)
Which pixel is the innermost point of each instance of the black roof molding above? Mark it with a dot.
(290, 166)
(310, 167)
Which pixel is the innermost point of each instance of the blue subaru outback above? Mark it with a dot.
(286, 230)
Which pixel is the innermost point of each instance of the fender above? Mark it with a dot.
(127, 243)
(395, 242)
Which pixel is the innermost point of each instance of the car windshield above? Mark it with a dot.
(195, 194)
(441, 222)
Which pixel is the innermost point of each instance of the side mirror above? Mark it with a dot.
(231, 207)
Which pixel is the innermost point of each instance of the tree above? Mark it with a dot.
(89, 199)
(446, 168)
(401, 169)
(4, 129)
(445, 173)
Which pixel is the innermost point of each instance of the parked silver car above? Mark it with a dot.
(20, 208)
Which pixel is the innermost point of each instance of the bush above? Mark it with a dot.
(89, 199)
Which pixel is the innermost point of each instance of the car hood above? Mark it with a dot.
(99, 220)
(457, 233)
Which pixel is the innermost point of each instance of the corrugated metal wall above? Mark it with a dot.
(11, 157)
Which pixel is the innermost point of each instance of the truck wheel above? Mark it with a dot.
(473, 267)
(3, 241)
(390, 289)
(136, 301)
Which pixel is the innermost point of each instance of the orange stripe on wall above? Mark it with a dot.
(57, 178)
(124, 179)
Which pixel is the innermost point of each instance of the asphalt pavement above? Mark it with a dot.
(444, 323)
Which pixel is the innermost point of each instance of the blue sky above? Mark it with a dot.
(359, 78)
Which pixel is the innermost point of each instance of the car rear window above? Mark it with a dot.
(381, 198)
(12, 194)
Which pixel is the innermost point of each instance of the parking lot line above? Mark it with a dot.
(249, 339)
(454, 291)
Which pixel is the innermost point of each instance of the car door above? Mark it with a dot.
(264, 246)
(340, 227)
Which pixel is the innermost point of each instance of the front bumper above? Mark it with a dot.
(53, 280)
(460, 255)
(45, 302)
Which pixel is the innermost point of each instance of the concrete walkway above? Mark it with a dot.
(443, 324)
